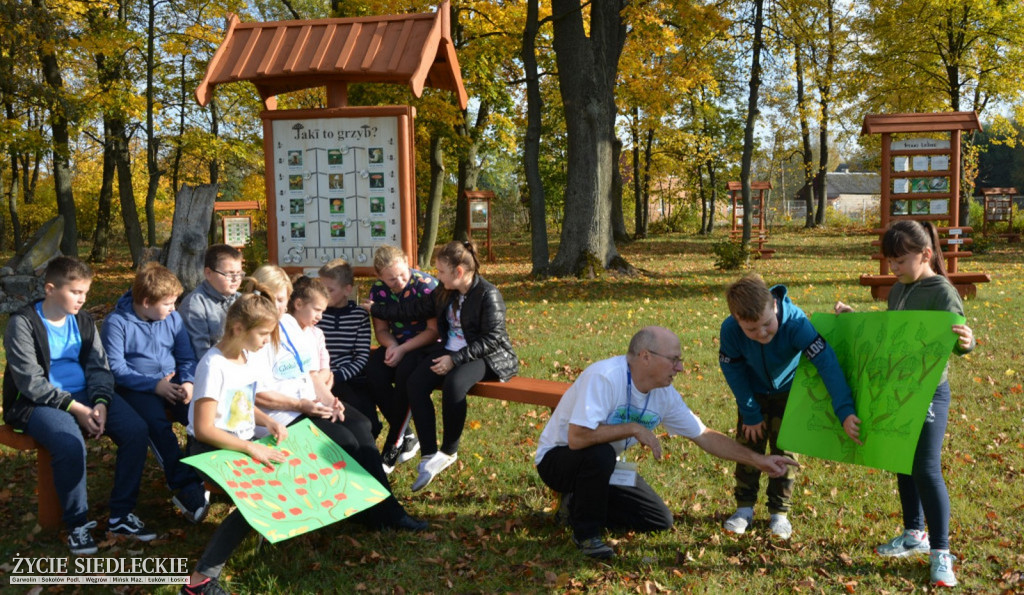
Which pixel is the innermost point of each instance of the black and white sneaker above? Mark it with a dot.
(130, 526)
(410, 446)
(389, 458)
(80, 540)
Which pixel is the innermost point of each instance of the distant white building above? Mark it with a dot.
(854, 194)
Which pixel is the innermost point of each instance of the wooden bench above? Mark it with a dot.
(964, 283)
(49, 511)
(533, 391)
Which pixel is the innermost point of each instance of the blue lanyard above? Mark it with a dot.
(629, 393)
(291, 348)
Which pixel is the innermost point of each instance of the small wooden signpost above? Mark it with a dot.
(921, 180)
(478, 205)
(236, 229)
(758, 215)
(999, 207)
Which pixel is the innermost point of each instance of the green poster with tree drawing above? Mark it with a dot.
(317, 485)
(893, 362)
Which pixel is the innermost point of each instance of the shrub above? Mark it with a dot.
(730, 255)
(975, 214)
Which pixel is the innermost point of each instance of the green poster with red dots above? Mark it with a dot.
(317, 485)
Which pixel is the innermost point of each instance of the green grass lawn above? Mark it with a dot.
(491, 529)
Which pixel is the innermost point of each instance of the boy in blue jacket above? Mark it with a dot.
(151, 357)
(59, 390)
(760, 347)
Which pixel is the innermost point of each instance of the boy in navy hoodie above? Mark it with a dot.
(760, 347)
(151, 357)
(59, 390)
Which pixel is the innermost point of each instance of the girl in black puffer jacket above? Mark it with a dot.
(474, 346)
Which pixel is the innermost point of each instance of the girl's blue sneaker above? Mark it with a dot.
(942, 569)
(909, 542)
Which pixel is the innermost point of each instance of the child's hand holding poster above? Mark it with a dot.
(893, 362)
(318, 485)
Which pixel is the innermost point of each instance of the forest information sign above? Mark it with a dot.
(317, 485)
(893, 361)
(340, 183)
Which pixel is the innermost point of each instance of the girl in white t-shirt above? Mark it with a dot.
(223, 415)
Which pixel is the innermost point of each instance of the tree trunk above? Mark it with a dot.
(646, 187)
(587, 67)
(214, 165)
(713, 182)
(469, 167)
(702, 196)
(116, 157)
(30, 175)
(825, 100)
(434, 198)
(820, 187)
(3, 220)
(129, 212)
(152, 142)
(12, 195)
(176, 164)
(752, 112)
(539, 253)
(101, 235)
(806, 192)
(639, 232)
(61, 141)
(193, 209)
(619, 233)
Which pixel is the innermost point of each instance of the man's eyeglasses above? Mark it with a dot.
(232, 276)
(674, 360)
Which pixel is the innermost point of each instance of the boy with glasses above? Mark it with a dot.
(204, 309)
(760, 346)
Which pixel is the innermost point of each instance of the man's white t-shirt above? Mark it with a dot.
(599, 396)
(286, 369)
(233, 386)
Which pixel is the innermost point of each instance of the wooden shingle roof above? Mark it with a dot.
(282, 56)
(929, 122)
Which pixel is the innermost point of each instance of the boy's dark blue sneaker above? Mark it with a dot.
(193, 502)
(130, 526)
(80, 540)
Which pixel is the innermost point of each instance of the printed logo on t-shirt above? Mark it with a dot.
(241, 412)
(622, 415)
(287, 367)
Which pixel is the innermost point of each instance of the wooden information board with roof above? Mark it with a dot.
(340, 180)
(998, 208)
(921, 180)
(758, 215)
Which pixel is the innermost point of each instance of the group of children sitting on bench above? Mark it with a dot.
(233, 366)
